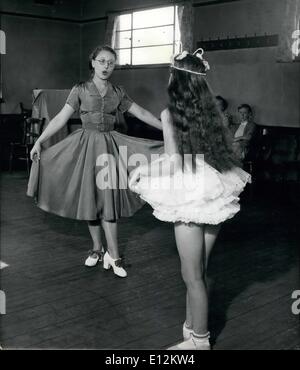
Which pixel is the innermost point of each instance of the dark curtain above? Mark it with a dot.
(186, 24)
(111, 26)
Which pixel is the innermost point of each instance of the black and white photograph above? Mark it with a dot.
(150, 177)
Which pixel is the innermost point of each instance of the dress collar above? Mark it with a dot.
(93, 91)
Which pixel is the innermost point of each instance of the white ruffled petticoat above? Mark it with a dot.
(204, 197)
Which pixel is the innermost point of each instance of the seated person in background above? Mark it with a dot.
(243, 132)
(222, 105)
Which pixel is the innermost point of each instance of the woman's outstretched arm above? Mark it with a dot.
(57, 123)
(145, 116)
(54, 125)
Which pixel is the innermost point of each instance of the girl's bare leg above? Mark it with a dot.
(211, 233)
(190, 244)
(188, 319)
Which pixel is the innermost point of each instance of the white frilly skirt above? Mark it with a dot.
(203, 196)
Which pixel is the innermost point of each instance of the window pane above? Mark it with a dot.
(153, 36)
(123, 56)
(124, 22)
(123, 40)
(152, 55)
(153, 17)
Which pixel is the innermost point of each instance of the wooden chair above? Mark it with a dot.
(32, 129)
(284, 166)
(26, 113)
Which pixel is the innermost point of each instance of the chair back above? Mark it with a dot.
(26, 113)
(260, 146)
(33, 129)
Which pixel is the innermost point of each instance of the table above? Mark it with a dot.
(46, 104)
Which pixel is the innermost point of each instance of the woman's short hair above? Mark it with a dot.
(247, 106)
(224, 101)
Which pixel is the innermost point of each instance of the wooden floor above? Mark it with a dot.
(53, 301)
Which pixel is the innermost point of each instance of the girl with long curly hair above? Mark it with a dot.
(195, 184)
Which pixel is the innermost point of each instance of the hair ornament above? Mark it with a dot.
(183, 54)
(199, 54)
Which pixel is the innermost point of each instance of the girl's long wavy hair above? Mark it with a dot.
(196, 118)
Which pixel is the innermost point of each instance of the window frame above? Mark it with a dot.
(153, 65)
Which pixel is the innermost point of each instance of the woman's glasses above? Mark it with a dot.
(103, 62)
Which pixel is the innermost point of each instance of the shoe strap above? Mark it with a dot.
(99, 253)
(120, 262)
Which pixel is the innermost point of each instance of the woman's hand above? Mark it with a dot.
(35, 154)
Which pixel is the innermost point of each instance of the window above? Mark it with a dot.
(296, 44)
(147, 36)
(2, 51)
(2, 42)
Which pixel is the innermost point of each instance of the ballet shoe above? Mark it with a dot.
(186, 332)
(94, 257)
(194, 343)
(116, 265)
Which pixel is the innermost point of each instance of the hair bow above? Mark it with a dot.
(199, 54)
